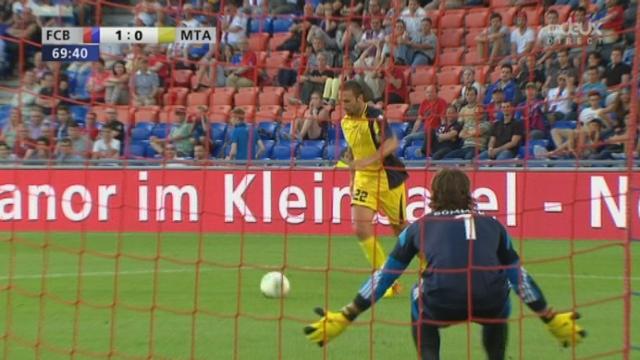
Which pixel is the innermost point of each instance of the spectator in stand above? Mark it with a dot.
(615, 145)
(559, 104)
(621, 106)
(62, 122)
(159, 63)
(367, 70)
(41, 154)
(445, 138)
(530, 113)
(468, 111)
(314, 122)
(146, 83)
(505, 136)
(244, 139)
(522, 38)
(550, 38)
(81, 145)
(612, 24)
(430, 113)
(412, 17)
(97, 84)
(245, 74)
(594, 110)
(91, 126)
(40, 67)
(281, 7)
(5, 154)
(234, 25)
(315, 78)
(147, 12)
(594, 59)
(397, 88)
(66, 154)
(117, 85)
(200, 155)
(180, 134)
(588, 139)
(393, 16)
(506, 83)
(9, 131)
(211, 71)
(23, 26)
(107, 147)
(529, 71)
(468, 81)
(28, 93)
(561, 66)
(36, 120)
(494, 40)
(493, 109)
(398, 43)
(373, 36)
(424, 45)
(117, 127)
(580, 37)
(474, 135)
(23, 142)
(594, 84)
(46, 99)
(318, 46)
(617, 73)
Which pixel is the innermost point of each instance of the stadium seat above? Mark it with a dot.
(278, 39)
(161, 130)
(450, 38)
(451, 19)
(494, 76)
(534, 15)
(79, 91)
(148, 115)
(473, 58)
(199, 98)
(268, 149)
(481, 73)
(268, 112)
(500, 3)
(450, 57)
(396, 112)
(508, 14)
(477, 18)
(219, 113)
(337, 114)
(416, 97)
(310, 152)
(282, 25)
(449, 92)
(423, 76)
(222, 96)
(410, 153)
(270, 97)
(175, 96)
(334, 132)
(246, 96)
(472, 35)
(449, 75)
(564, 124)
(527, 151)
(399, 129)
(283, 151)
(267, 129)
(140, 133)
(149, 151)
(258, 42)
(78, 112)
(217, 131)
(137, 149)
(258, 25)
(291, 113)
(181, 77)
(334, 149)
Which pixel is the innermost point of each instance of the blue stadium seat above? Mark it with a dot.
(527, 151)
(218, 147)
(564, 124)
(334, 149)
(334, 132)
(410, 153)
(79, 113)
(161, 130)
(282, 25)
(140, 133)
(268, 149)
(217, 131)
(137, 149)
(282, 152)
(79, 91)
(267, 130)
(149, 151)
(261, 25)
(399, 129)
(309, 152)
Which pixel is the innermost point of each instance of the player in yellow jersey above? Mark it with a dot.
(378, 176)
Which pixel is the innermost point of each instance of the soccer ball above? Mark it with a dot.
(274, 285)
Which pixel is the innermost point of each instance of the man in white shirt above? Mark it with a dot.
(412, 16)
(234, 25)
(551, 36)
(522, 38)
(107, 147)
(559, 99)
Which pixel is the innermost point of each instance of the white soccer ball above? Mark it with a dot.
(274, 285)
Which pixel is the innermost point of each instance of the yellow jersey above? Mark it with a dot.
(364, 135)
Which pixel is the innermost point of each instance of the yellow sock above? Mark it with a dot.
(373, 251)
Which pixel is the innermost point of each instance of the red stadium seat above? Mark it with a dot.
(423, 76)
(434, 15)
(470, 39)
(449, 75)
(451, 19)
(258, 41)
(293, 112)
(481, 73)
(222, 96)
(507, 14)
(175, 96)
(534, 15)
(270, 98)
(563, 11)
(416, 97)
(268, 112)
(396, 112)
(219, 113)
(451, 38)
(246, 98)
(500, 3)
(277, 40)
(199, 98)
(337, 114)
(181, 77)
(494, 76)
(449, 92)
(149, 115)
(451, 57)
(477, 18)
(473, 58)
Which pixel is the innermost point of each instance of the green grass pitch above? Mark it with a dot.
(170, 282)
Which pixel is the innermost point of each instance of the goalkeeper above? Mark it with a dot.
(447, 239)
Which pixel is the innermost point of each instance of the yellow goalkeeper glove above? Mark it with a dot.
(328, 327)
(565, 328)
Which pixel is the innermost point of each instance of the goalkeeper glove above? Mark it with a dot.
(328, 327)
(565, 328)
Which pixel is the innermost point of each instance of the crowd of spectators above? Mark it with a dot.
(544, 79)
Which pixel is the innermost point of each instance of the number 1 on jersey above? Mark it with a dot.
(469, 226)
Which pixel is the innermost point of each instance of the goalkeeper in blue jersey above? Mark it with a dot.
(446, 239)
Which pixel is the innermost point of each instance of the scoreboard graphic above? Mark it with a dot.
(69, 44)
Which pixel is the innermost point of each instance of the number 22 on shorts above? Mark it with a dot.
(360, 195)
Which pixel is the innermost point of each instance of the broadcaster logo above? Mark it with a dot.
(575, 33)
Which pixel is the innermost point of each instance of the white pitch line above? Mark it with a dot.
(185, 270)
